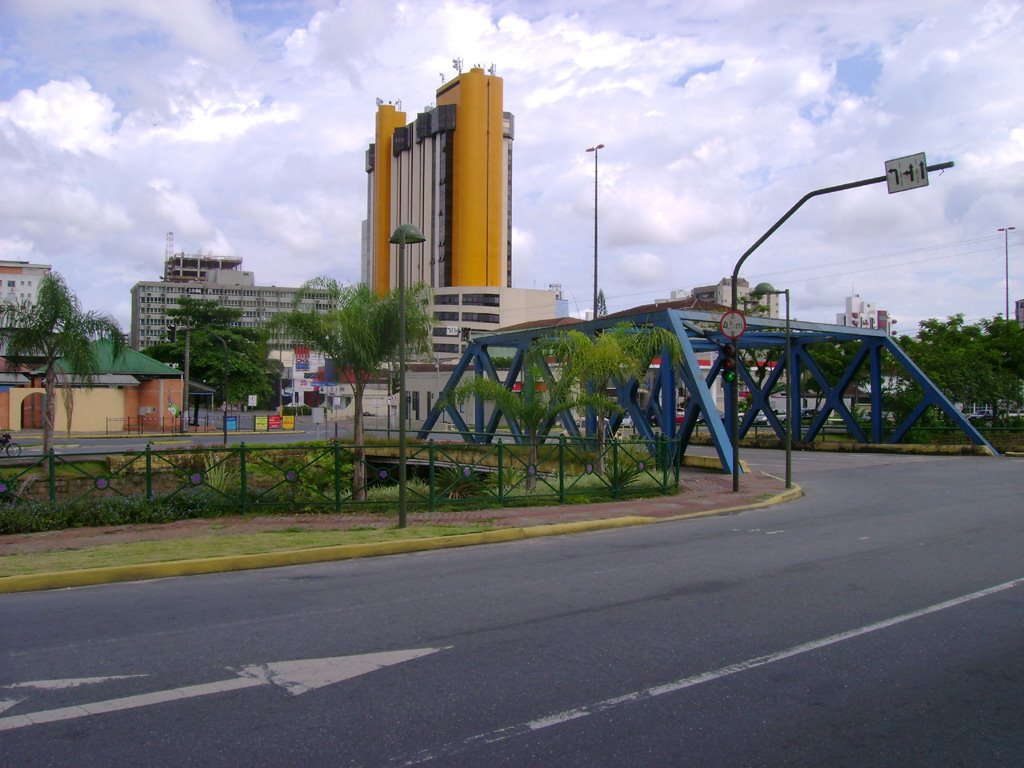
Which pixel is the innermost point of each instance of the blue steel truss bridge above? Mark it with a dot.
(651, 402)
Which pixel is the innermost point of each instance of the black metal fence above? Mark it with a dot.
(318, 477)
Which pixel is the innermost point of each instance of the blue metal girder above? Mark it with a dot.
(932, 395)
(699, 389)
(697, 332)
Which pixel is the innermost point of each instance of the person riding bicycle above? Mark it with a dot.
(5, 438)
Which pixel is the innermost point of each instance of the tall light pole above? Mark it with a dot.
(767, 289)
(404, 234)
(734, 392)
(225, 387)
(595, 150)
(1006, 265)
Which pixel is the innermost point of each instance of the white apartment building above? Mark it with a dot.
(864, 314)
(19, 281)
(721, 293)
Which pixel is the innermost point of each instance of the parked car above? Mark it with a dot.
(809, 413)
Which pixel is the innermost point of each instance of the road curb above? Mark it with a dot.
(144, 571)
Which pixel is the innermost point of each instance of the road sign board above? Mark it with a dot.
(905, 173)
(733, 324)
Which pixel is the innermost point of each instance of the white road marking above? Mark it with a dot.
(8, 703)
(558, 718)
(71, 682)
(772, 533)
(294, 676)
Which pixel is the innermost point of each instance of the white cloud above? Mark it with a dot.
(66, 115)
(242, 128)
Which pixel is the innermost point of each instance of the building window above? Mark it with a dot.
(480, 317)
(447, 298)
(482, 299)
(446, 315)
(452, 348)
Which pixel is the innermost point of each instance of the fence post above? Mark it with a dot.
(242, 478)
(431, 497)
(501, 454)
(149, 471)
(53, 476)
(561, 469)
(337, 476)
(616, 477)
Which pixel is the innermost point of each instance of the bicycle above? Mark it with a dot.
(8, 446)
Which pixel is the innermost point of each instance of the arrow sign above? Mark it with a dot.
(295, 677)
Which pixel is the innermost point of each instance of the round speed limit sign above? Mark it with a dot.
(733, 324)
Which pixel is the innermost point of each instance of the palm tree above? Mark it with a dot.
(617, 354)
(53, 329)
(533, 409)
(360, 334)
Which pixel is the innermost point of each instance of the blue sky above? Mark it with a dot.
(241, 127)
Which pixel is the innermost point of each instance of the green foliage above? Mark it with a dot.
(980, 363)
(359, 331)
(36, 516)
(454, 483)
(246, 353)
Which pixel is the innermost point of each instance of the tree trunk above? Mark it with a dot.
(359, 451)
(50, 410)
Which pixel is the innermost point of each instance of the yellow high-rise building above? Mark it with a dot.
(449, 172)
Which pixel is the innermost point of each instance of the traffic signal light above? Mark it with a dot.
(729, 363)
(172, 333)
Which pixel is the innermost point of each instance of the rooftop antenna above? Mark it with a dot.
(457, 64)
(492, 70)
(380, 101)
(169, 252)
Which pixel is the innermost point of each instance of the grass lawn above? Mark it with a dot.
(189, 548)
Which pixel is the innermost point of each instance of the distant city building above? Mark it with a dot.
(1018, 311)
(721, 293)
(19, 281)
(864, 314)
(221, 280)
(449, 173)
(207, 278)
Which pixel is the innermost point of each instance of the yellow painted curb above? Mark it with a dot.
(117, 573)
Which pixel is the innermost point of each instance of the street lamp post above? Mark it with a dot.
(595, 150)
(1006, 265)
(224, 385)
(767, 289)
(404, 234)
(734, 392)
(184, 387)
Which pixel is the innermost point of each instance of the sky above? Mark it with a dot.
(242, 128)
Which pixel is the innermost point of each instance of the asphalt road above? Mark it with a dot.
(878, 621)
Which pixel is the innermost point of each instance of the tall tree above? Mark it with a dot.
(543, 395)
(573, 370)
(205, 321)
(602, 304)
(596, 363)
(360, 333)
(56, 328)
(980, 363)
